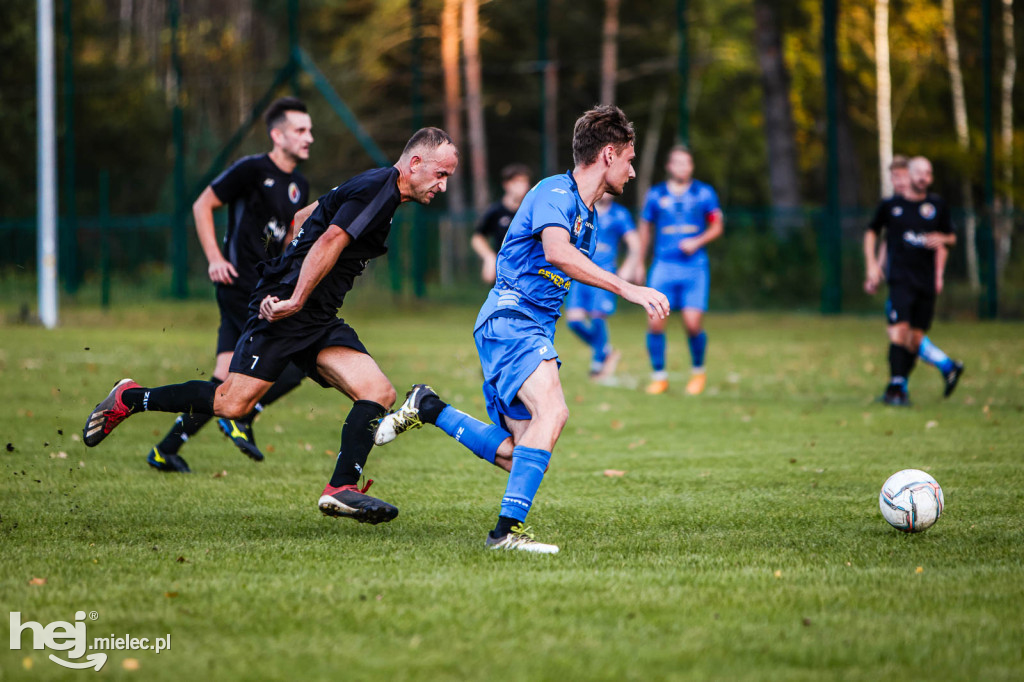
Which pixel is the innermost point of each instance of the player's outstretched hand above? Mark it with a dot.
(273, 309)
(939, 283)
(651, 300)
(222, 272)
(689, 246)
(873, 279)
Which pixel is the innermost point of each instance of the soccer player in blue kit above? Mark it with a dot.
(549, 244)
(686, 217)
(615, 225)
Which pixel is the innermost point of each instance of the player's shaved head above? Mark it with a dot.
(594, 130)
(427, 140)
(919, 164)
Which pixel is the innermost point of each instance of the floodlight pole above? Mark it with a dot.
(179, 231)
(46, 170)
(69, 254)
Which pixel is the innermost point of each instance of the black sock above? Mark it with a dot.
(431, 408)
(289, 379)
(191, 396)
(356, 441)
(504, 526)
(185, 426)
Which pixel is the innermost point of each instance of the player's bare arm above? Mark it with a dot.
(939, 240)
(483, 249)
(716, 227)
(562, 254)
(318, 262)
(632, 266)
(941, 256)
(301, 216)
(873, 269)
(220, 269)
(644, 230)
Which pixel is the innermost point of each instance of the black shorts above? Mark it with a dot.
(234, 312)
(908, 304)
(266, 348)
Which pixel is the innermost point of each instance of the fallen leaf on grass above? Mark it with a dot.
(617, 424)
(37, 581)
(170, 595)
(919, 569)
(181, 560)
(613, 473)
(931, 424)
(778, 574)
(220, 474)
(807, 622)
(27, 663)
(130, 664)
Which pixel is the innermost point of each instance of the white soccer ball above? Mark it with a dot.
(911, 501)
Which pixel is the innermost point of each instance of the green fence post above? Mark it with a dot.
(989, 303)
(829, 234)
(69, 233)
(105, 238)
(683, 70)
(179, 230)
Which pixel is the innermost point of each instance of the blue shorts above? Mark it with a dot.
(594, 300)
(685, 286)
(510, 351)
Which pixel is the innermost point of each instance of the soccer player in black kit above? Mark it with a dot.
(293, 318)
(917, 228)
(493, 224)
(262, 193)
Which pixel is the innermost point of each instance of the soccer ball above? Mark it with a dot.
(911, 501)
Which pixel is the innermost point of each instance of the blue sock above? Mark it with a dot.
(934, 355)
(698, 344)
(528, 465)
(599, 327)
(584, 330)
(481, 439)
(656, 349)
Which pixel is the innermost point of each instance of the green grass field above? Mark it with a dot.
(744, 541)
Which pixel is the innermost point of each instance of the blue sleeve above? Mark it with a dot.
(711, 202)
(650, 213)
(626, 220)
(553, 208)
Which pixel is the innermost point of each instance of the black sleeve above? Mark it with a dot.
(945, 220)
(880, 219)
(356, 214)
(485, 225)
(236, 180)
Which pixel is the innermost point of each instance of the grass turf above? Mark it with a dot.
(743, 542)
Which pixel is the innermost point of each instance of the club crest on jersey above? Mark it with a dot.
(927, 210)
(897, 211)
(577, 226)
(293, 193)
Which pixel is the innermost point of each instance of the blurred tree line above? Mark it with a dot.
(756, 97)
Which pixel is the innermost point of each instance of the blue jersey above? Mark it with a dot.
(527, 285)
(612, 225)
(678, 217)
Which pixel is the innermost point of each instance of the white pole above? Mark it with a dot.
(46, 171)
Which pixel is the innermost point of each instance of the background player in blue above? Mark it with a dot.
(262, 193)
(294, 318)
(549, 245)
(685, 216)
(587, 308)
(951, 370)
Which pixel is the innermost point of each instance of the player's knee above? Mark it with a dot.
(231, 409)
(381, 392)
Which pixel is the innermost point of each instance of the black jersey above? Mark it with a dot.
(262, 200)
(909, 261)
(493, 224)
(363, 207)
